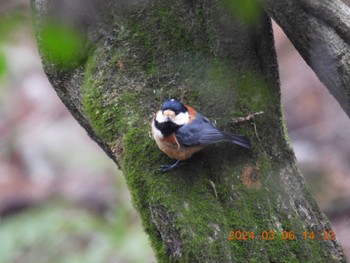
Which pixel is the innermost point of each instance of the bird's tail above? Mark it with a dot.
(239, 140)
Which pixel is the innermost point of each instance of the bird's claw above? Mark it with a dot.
(169, 167)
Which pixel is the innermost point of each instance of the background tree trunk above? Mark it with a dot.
(320, 31)
(224, 64)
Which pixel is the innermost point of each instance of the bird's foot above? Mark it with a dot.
(169, 167)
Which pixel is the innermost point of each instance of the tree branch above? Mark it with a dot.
(320, 31)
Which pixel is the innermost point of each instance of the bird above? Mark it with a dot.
(180, 131)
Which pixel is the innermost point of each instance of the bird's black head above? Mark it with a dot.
(171, 117)
(174, 105)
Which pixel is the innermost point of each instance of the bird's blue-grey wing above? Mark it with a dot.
(202, 131)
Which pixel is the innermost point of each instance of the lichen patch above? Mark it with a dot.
(251, 177)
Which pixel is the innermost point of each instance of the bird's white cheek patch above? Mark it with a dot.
(160, 117)
(181, 119)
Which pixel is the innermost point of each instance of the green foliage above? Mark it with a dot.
(3, 65)
(9, 23)
(62, 45)
(247, 10)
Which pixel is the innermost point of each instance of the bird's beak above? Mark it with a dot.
(169, 115)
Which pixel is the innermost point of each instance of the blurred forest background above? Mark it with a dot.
(63, 200)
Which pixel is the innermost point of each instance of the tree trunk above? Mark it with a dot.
(223, 64)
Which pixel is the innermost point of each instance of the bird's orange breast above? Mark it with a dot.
(171, 147)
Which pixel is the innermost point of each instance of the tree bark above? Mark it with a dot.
(142, 52)
(320, 31)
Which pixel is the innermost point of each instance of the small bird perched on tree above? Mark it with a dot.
(180, 131)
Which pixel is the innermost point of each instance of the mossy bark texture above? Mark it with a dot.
(208, 56)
